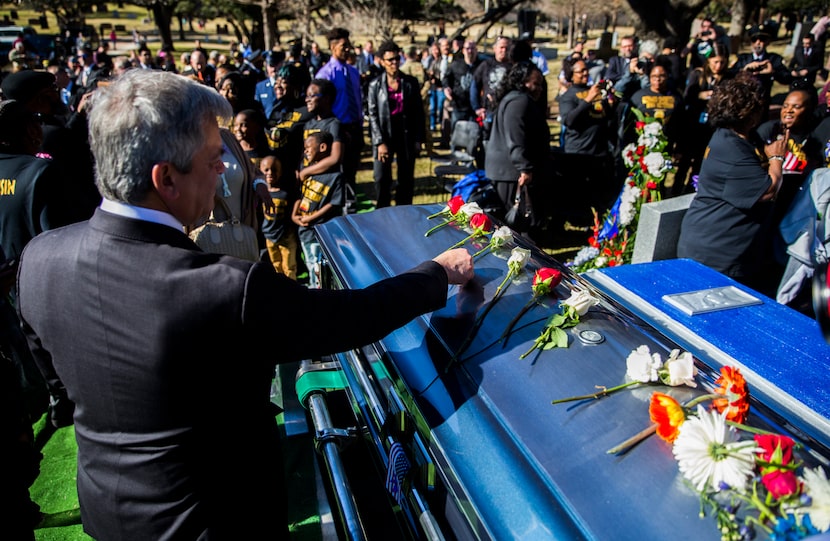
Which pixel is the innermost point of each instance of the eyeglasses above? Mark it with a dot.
(579, 71)
(312, 96)
(392, 59)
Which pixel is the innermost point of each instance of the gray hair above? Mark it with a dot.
(649, 46)
(143, 118)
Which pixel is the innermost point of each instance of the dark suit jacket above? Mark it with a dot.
(380, 120)
(168, 353)
(779, 70)
(617, 68)
(812, 62)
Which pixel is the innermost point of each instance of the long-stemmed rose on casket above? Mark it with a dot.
(453, 206)
(515, 264)
(554, 335)
(500, 237)
(481, 224)
(544, 280)
(642, 367)
(461, 217)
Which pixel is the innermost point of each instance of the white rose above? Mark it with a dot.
(627, 200)
(600, 262)
(518, 259)
(642, 365)
(581, 301)
(628, 154)
(655, 164)
(654, 129)
(501, 236)
(648, 141)
(470, 209)
(680, 369)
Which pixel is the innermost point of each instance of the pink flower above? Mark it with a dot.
(777, 472)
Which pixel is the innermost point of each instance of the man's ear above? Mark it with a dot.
(324, 147)
(164, 181)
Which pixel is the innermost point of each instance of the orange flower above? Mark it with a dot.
(735, 395)
(667, 414)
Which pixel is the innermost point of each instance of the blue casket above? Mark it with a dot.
(486, 454)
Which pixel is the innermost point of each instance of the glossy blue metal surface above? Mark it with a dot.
(520, 467)
(781, 350)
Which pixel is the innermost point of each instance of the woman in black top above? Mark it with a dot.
(727, 226)
(700, 83)
(518, 151)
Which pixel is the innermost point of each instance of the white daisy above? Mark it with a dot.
(709, 453)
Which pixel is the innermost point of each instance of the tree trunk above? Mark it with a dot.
(270, 34)
(660, 19)
(741, 11)
(163, 14)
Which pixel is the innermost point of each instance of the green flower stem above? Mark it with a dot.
(510, 275)
(700, 399)
(443, 212)
(464, 240)
(633, 440)
(750, 429)
(543, 339)
(437, 227)
(525, 309)
(477, 324)
(603, 392)
(487, 248)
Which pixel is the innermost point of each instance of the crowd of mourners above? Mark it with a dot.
(302, 116)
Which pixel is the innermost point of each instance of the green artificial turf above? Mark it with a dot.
(54, 489)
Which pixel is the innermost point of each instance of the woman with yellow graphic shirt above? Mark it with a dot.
(660, 100)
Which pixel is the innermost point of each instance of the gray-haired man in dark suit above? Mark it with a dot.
(166, 350)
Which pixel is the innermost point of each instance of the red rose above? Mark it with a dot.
(772, 442)
(639, 125)
(547, 276)
(481, 222)
(455, 204)
(651, 185)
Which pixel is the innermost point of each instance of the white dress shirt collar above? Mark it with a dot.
(141, 213)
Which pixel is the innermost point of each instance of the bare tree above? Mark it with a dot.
(659, 19)
(486, 19)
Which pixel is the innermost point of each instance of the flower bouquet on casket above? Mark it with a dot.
(750, 480)
(648, 163)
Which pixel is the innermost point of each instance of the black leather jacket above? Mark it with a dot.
(380, 121)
